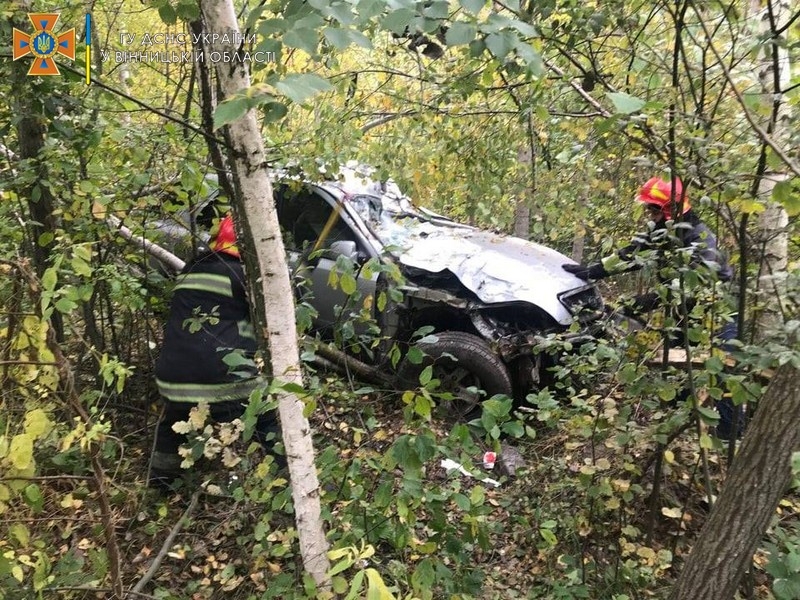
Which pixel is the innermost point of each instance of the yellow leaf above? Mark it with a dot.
(37, 423)
(198, 415)
(181, 427)
(672, 513)
(16, 571)
(602, 464)
(623, 485)
(377, 590)
(669, 456)
(646, 552)
(21, 451)
(20, 532)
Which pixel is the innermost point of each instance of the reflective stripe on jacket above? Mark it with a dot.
(209, 318)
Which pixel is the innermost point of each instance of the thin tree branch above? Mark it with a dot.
(154, 566)
(765, 137)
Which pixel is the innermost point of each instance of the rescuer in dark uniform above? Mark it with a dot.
(690, 235)
(209, 318)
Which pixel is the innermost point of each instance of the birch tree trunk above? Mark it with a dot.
(772, 236)
(268, 275)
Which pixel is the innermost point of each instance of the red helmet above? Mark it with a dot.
(658, 192)
(223, 237)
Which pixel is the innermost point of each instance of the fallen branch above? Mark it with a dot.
(154, 566)
(352, 365)
(162, 254)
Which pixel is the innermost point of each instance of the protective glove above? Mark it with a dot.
(586, 272)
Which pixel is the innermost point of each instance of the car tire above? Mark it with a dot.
(461, 361)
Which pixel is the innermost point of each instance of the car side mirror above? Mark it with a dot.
(346, 248)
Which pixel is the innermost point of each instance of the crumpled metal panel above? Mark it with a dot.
(495, 267)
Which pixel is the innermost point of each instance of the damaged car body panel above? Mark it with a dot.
(496, 268)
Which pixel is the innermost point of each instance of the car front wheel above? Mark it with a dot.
(464, 364)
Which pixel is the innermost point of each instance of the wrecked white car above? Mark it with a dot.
(482, 301)
(488, 299)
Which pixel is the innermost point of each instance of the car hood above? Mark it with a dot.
(495, 267)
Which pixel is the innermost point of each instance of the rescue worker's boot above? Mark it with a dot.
(164, 470)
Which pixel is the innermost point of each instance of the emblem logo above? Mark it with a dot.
(43, 44)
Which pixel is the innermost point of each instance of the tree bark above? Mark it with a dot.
(752, 490)
(273, 301)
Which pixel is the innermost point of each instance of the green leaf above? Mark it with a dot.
(300, 87)
(461, 501)
(65, 305)
(274, 111)
(548, 536)
(167, 14)
(708, 415)
(398, 21)
(514, 429)
(342, 12)
(271, 26)
(49, 279)
(355, 586)
(782, 193)
(498, 44)
(524, 28)
(33, 497)
(532, 59)
(188, 11)
(367, 9)
(472, 6)
(426, 375)
(359, 39)
(303, 39)
(339, 38)
(787, 589)
(415, 355)
(625, 103)
(438, 9)
(229, 111)
(348, 283)
(460, 33)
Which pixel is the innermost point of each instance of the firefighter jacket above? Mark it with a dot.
(209, 319)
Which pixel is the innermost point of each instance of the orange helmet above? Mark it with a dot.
(658, 192)
(223, 237)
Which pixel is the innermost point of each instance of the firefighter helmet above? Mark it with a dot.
(658, 192)
(223, 237)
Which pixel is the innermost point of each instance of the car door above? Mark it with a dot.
(318, 231)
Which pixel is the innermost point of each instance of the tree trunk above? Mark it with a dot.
(273, 300)
(752, 490)
(522, 211)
